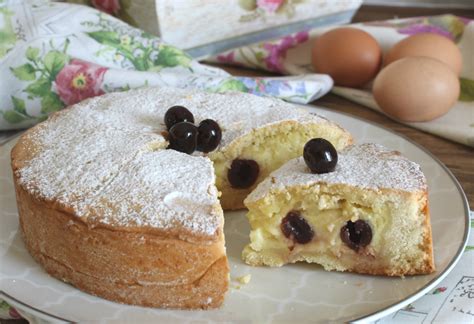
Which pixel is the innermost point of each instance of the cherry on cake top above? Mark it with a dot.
(320, 155)
(209, 135)
(178, 114)
(185, 137)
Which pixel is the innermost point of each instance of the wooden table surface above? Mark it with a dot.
(458, 158)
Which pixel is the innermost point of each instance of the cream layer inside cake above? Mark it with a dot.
(370, 183)
(270, 147)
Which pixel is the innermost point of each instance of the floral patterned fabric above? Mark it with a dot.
(55, 54)
(258, 9)
(270, 56)
(8, 312)
(79, 80)
(292, 55)
(117, 8)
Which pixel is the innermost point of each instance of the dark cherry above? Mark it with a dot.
(209, 135)
(356, 234)
(243, 173)
(296, 228)
(177, 114)
(320, 156)
(183, 137)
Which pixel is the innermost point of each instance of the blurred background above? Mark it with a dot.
(424, 3)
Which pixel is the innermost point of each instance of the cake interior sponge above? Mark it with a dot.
(369, 216)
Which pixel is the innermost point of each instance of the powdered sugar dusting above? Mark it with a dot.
(236, 113)
(71, 168)
(368, 166)
(164, 184)
(103, 157)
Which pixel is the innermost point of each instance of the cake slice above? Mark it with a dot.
(370, 215)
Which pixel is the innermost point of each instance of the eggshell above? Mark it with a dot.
(430, 45)
(351, 56)
(416, 89)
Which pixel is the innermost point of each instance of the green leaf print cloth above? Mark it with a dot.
(53, 55)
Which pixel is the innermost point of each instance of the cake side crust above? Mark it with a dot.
(135, 268)
(207, 292)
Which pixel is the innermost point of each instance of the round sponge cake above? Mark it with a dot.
(105, 206)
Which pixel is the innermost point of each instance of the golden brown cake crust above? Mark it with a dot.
(132, 268)
(141, 266)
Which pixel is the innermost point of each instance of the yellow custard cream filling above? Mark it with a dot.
(270, 147)
(326, 210)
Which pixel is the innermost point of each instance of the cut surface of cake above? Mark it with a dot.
(105, 206)
(370, 215)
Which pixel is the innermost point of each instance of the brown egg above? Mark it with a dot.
(430, 45)
(350, 56)
(416, 89)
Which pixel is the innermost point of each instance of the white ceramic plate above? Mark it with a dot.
(299, 292)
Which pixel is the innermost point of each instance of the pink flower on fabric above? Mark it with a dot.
(79, 80)
(301, 37)
(273, 59)
(226, 58)
(13, 313)
(111, 7)
(277, 52)
(439, 290)
(269, 5)
(424, 28)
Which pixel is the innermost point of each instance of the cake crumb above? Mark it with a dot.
(330, 227)
(244, 279)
